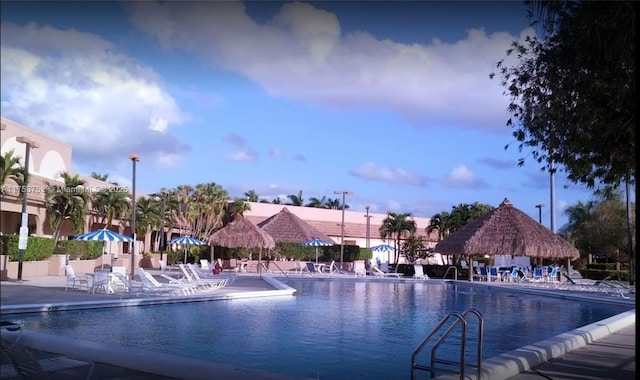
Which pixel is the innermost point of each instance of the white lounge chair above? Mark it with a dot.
(149, 281)
(359, 268)
(331, 268)
(228, 276)
(131, 287)
(375, 271)
(76, 281)
(418, 270)
(213, 283)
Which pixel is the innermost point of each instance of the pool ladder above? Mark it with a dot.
(458, 319)
(455, 273)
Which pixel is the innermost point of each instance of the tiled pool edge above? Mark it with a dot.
(512, 363)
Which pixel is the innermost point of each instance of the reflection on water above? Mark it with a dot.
(330, 329)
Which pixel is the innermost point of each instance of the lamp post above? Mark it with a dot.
(368, 226)
(539, 207)
(344, 193)
(134, 158)
(24, 225)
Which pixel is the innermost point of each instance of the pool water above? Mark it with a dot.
(329, 329)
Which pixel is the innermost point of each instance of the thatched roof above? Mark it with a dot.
(287, 227)
(241, 233)
(507, 231)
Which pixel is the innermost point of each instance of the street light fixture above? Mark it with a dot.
(344, 193)
(539, 207)
(24, 225)
(134, 158)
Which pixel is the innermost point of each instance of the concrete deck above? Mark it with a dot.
(604, 350)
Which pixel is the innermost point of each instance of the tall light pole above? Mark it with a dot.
(368, 226)
(344, 193)
(24, 225)
(134, 158)
(539, 207)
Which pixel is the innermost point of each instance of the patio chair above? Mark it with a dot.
(23, 364)
(493, 274)
(204, 265)
(514, 275)
(132, 287)
(481, 273)
(538, 274)
(299, 267)
(212, 283)
(76, 281)
(553, 275)
(158, 288)
(418, 270)
(374, 270)
(101, 282)
(311, 268)
(331, 268)
(359, 268)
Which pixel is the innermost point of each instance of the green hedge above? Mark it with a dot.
(41, 248)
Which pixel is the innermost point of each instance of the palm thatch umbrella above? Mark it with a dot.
(506, 231)
(287, 227)
(241, 233)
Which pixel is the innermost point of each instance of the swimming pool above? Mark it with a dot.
(330, 330)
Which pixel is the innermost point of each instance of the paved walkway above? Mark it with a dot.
(609, 357)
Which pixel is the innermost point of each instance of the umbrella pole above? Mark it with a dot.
(260, 262)
(316, 255)
(102, 258)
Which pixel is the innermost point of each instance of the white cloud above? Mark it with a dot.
(302, 53)
(79, 88)
(244, 153)
(462, 177)
(375, 172)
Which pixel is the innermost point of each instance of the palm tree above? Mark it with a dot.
(237, 209)
(111, 205)
(295, 200)
(10, 166)
(148, 216)
(251, 196)
(99, 176)
(336, 204)
(67, 202)
(395, 225)
(317, 203)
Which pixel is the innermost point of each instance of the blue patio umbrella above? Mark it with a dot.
(104, 235)
(383, 248)
(315, 242)
(186, 240)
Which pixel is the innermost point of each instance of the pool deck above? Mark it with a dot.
(604, 350)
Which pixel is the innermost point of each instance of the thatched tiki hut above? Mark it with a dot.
(506, 231)
(241, 233)
(288, 227)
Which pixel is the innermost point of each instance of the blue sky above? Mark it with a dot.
(389, 100)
